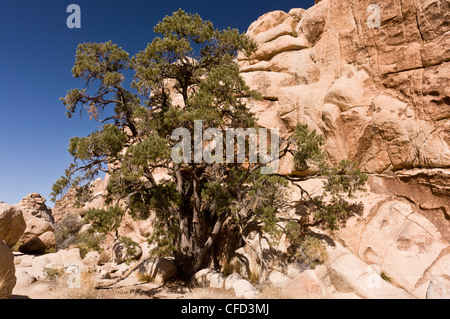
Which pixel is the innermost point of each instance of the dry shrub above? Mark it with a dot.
(87, 289)
(5, 284)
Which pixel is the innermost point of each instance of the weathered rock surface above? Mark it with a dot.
(7, 271)
(439, 287)
(38, 217)
(34, 204)
(349, 274)
(380, 99)
(12, 224)
(231, 279)
(306, 286)
(379, 96)
(209, 278)
(278, 279)
(243, 289)
(159, 269)
(67, 205)
(394, 234)
(35, 265)
(24, 279)
(39, 245)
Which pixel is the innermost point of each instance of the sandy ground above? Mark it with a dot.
(130, 288)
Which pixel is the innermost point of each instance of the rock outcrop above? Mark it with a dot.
(209, 277)
(34, 204)
(380, 98)
(12, 224)
(395, 234)
(378, 95)
(67, 205)
(39, 245)
(39, 224)
(38, 217)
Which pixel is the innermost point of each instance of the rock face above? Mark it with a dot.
(306, 286)
(37, 215)
(34, 204)
(378, 95)
(407, 243)
(349, 274)
(71, 204)
(12, 224)
(35, 265)
(7, 271)
(66, 206)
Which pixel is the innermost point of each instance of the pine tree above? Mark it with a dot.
(199, 203)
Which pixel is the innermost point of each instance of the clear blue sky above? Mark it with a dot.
(36, 57)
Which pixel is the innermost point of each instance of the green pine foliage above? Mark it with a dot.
(104, 220)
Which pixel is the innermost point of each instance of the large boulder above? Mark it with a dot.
(439, 287)
(34, 204)
(39, 245)
(12, 224)
(159, 270)
(244, 289)
(38, 266)
(349, 274)
(306, 286)
(209, 277)
(379, 96)
(269, 21)
(231, 279)
(38, 217)
(7, 271)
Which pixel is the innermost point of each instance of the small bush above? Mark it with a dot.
(311, 253)
(144, 277)
(50, 250)
(385, 277)
(66, 230)
(53, 273)
(89, 241)
(16, 246)
(231, 267)
(254, 276)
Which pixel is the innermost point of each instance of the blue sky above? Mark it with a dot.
(36, 57)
